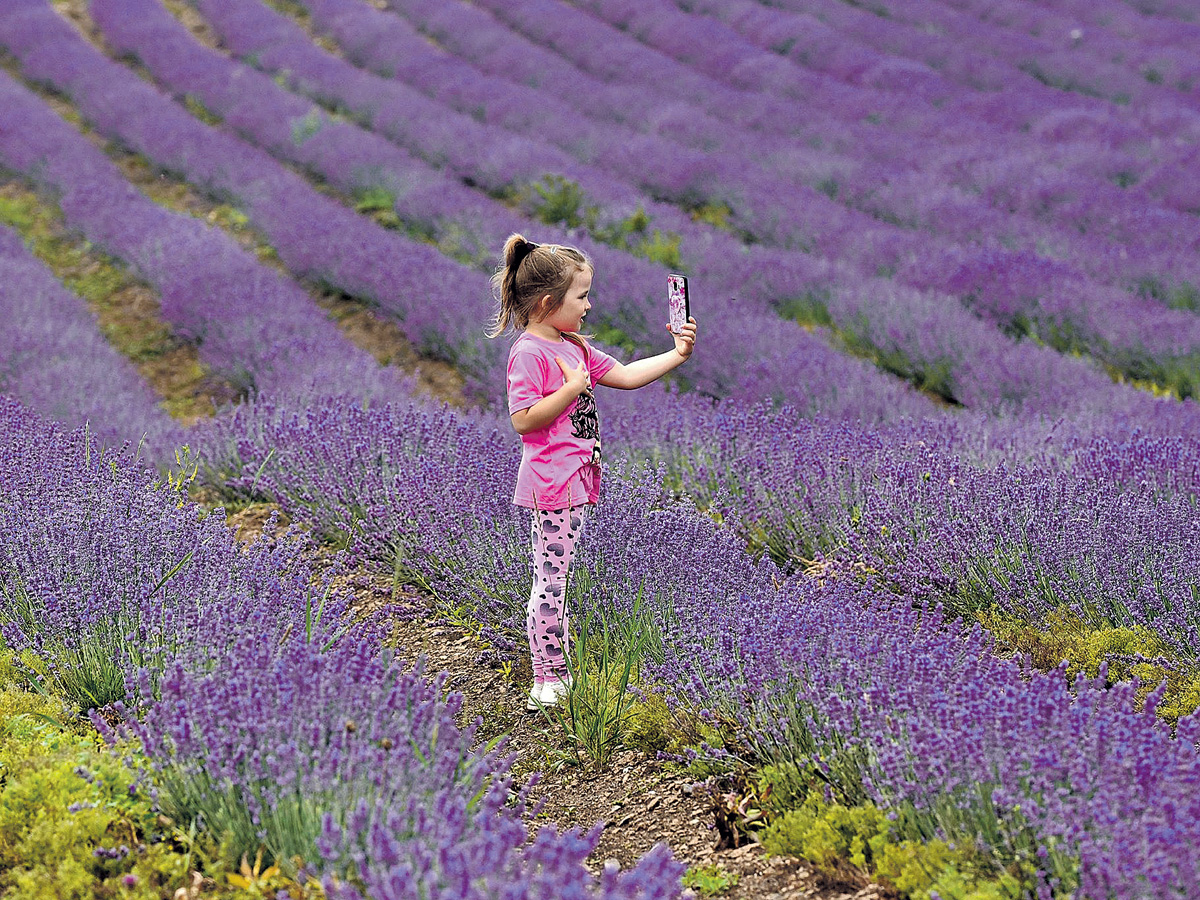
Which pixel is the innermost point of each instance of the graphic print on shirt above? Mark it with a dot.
(585, 419)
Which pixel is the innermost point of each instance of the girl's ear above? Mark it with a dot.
(542, 306)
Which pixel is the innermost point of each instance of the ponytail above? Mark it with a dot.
(530, 272)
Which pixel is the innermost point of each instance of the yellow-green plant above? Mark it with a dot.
(858, 843)
(1128, 652)
(74, 820)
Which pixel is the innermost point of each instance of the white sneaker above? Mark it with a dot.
(553, 691)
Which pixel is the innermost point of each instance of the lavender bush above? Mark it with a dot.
(107, 574)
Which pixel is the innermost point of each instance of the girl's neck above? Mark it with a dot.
(542, 330)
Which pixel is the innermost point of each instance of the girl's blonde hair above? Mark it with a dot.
(530, 272)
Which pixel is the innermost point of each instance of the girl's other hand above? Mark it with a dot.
(577, 378)
(685, 341)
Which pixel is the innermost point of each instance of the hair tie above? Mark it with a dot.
(523, 251)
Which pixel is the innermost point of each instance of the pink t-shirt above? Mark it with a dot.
(558, 469)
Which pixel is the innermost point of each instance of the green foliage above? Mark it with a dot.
(828, 834)
(307, 125)
(934, 377)
(197, 108)
(649, 727)
(604, 661)
(1184, 295)
(614, 337)
(379, 203)
(77, 822)
(1062, 82)
(860, 843)
(810, 309)
(1128, 652)
(660, 248)
(1124, 178)
(709, 880)
(16, 213)
(716, 214)
(1174, 376)
(829, 187)
(61, 798)
(558, 201)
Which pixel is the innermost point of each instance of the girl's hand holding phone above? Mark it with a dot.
(577, 378)
(685, 341)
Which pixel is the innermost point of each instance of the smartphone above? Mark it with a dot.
(677, 302)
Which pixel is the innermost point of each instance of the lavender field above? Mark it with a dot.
(903, 563)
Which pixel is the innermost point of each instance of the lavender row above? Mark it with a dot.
(1101, 525)
(55, 359)
(752, 353)
(116, 583)
(107, 574)
(889, 157)
(1016, 289)
(1120, 48)
(253, 327)
(1026, 518)
(1159, 24)
(660, 25)
(918, 715)
(1118, 151)
(883, 699)
(918, 337)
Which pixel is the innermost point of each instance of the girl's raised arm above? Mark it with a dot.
(641, 372)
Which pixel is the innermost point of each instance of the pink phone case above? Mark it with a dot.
(678, 303)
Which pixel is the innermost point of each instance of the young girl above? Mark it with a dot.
(543, 291)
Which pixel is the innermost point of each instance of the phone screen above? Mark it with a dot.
(678, 304)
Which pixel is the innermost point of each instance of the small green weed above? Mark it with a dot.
(558, 201)
(197, 108)
(709, 880)
(716, 214)
(379, 203)
(304, 127)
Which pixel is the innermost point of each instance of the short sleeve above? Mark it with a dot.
(599, 363)
(527, 379)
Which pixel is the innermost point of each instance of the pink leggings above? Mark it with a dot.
(555, 534)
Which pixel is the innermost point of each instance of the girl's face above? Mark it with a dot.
(569, 316)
